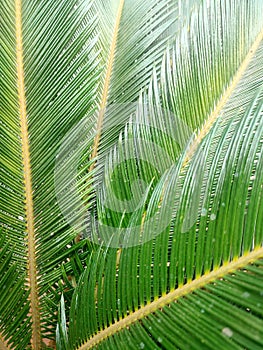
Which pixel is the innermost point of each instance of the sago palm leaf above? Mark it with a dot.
(196, 281)
(61, 61)
(14, 298)
(190, 83)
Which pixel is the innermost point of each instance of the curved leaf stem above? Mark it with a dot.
(30, 239)
(107, 83)
(223, 100)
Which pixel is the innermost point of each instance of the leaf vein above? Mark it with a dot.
(30, 239)
(104, 98)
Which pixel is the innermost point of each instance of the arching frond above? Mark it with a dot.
(60, 62)
(196, 280)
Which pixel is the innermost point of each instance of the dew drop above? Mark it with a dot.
(246, 295)
(213, 217)
(203, 212)
(227, 332)
(159, 339)
(20, 218)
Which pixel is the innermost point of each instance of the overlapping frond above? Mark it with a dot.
(216, 258)
(179, 107)
(62, 61)
(197, 280)
(78, 72)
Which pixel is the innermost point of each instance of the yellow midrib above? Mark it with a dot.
(106, 85)
(222, 102)
(167, 299)
(30, 239)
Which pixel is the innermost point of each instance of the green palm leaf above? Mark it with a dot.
(194, 283)
(14, 300)
(62, 61)
(36, 112)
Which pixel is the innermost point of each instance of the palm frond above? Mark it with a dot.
(72, 75)
(48, 76)
(14, 304)
(147, 295)
(223, 245)
(178, 124)
(63, 61)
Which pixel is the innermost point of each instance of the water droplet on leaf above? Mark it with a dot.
(227, 332)
(203, 212)
(246, 295)
(213, 217)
